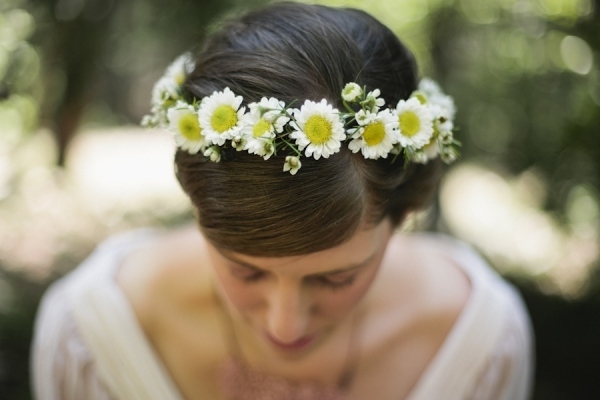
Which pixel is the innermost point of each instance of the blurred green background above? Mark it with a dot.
(75, 79)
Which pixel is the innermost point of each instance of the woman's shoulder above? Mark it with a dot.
(171, 271)
(169, 286)
(418, 276)
(410, 311)
(487, 328)
(432, 277)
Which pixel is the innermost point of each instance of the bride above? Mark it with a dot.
(304, 139)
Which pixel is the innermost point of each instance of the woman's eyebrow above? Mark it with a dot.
(332, 272)
(349, 268)
(242, 263)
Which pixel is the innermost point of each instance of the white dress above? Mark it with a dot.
(88, 344)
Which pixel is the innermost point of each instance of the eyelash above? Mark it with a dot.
(319, 281)
(334, 285)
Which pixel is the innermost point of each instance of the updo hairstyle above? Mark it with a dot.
(296, 52)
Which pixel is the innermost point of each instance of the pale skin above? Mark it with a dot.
(295, 316)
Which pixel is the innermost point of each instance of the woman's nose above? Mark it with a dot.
(287, 317)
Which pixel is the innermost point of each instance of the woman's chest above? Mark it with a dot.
(191, 350)
(205, 360)
(197, 352)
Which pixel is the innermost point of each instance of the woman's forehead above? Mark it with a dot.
(360, 249)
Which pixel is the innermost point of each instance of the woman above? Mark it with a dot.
(295, 285)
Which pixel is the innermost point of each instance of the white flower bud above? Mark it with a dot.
(214, 153)
(351, 92)
(292, 164)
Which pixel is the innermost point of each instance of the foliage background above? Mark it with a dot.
(75, 78)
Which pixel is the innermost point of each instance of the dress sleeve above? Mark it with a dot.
(62, 366)
(507, 374)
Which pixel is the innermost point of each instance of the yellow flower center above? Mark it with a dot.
(224, 118)
(168, 102)
(421, 97)
(374, 134)
(318, 129)
(189, 127)
(260, 128)
(180, 78)
(410, 124)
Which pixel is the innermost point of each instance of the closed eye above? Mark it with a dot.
(338, 280)
(335, 281)
(245, 274)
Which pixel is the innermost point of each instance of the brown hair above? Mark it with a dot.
(297, 52)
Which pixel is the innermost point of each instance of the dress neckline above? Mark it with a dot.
(107, 322)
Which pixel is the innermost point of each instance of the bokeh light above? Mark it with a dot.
(76, 76)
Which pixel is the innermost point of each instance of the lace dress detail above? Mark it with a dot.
(238, 382)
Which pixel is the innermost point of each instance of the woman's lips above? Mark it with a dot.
(301, 343)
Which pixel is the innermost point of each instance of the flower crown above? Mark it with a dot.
(419, 127)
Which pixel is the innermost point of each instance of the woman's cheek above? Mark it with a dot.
(336, 302)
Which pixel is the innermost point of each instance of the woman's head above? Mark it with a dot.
(295, 53)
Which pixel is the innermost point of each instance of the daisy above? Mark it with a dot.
(430, 92)
(238, 142)
(449, 154)
(183, 122)
(431, 149)
(446, 137)
(415, 123)
(364, 117)
(351, 92)
(419, 157)
(292, 164)
(429, 87)
(442, 118)
(374, 102)
(180, 69)
(318, 128)
(377, 138)
(445, 103)
(165, 93)
(264, 120)
(149, 121)
(214, 153)
(221, 116)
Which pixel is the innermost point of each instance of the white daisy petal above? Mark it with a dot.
(429, 87)
(434, 96)
(375, 102)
